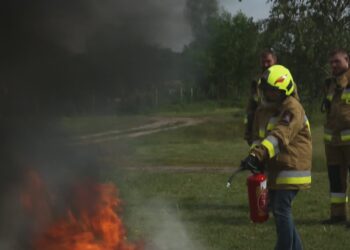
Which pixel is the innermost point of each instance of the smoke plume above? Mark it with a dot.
(167, 230)
(64, 56)
(72, 57)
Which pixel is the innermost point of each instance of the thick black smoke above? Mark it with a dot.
(63, 55)
(73, 57)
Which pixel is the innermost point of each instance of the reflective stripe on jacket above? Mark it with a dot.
(337, 198)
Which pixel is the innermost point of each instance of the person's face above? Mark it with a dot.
(266, 61)
(272, 95)
(339, 64)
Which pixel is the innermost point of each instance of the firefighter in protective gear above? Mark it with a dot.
(282, 147)
(336, 105)
(267, 59)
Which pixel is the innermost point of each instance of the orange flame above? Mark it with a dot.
(90, 223)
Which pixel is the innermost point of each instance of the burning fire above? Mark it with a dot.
(89, 223)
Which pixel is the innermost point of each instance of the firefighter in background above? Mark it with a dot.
(281, 147)
(267, 59)
(337, 133)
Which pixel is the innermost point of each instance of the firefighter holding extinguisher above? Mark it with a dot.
(282, 148)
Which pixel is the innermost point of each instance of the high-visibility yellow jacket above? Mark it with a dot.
(282, 140)
(337, 126)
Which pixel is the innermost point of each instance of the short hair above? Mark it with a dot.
(268, 51)
(339, 51)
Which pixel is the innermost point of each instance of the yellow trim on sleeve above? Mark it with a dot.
(270, 148)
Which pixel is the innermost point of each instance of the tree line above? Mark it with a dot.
(301, 32)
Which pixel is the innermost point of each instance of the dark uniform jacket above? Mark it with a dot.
(337, 125)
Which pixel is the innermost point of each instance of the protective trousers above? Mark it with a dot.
(338, 162)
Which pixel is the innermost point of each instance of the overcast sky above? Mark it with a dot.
(177, 32)
(257, 9)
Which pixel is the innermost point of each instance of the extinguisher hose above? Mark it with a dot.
(229, 181)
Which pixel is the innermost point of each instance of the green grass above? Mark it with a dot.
(213, 143)
(217, 142)
(195, 210)
(215, 217)
(81, 125)
(318, 154)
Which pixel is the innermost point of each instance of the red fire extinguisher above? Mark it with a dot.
(258, 197)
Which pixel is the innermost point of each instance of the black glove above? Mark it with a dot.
(253, 164)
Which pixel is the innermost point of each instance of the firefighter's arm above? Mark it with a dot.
(288, 126)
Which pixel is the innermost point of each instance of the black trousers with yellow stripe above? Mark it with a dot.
(338, 162)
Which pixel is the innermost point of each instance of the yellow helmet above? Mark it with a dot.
(278, 76)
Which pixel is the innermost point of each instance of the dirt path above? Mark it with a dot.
(160, 124)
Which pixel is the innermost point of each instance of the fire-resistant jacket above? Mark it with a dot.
(337, 126)
(253, 104)
(282, 141)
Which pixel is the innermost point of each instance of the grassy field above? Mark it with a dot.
(216, 142)
(213, 143)
(213, 217)
(94, 124)
(171, 210)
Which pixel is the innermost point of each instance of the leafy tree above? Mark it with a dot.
(233, 50)
(226, 65)
(303, 32)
